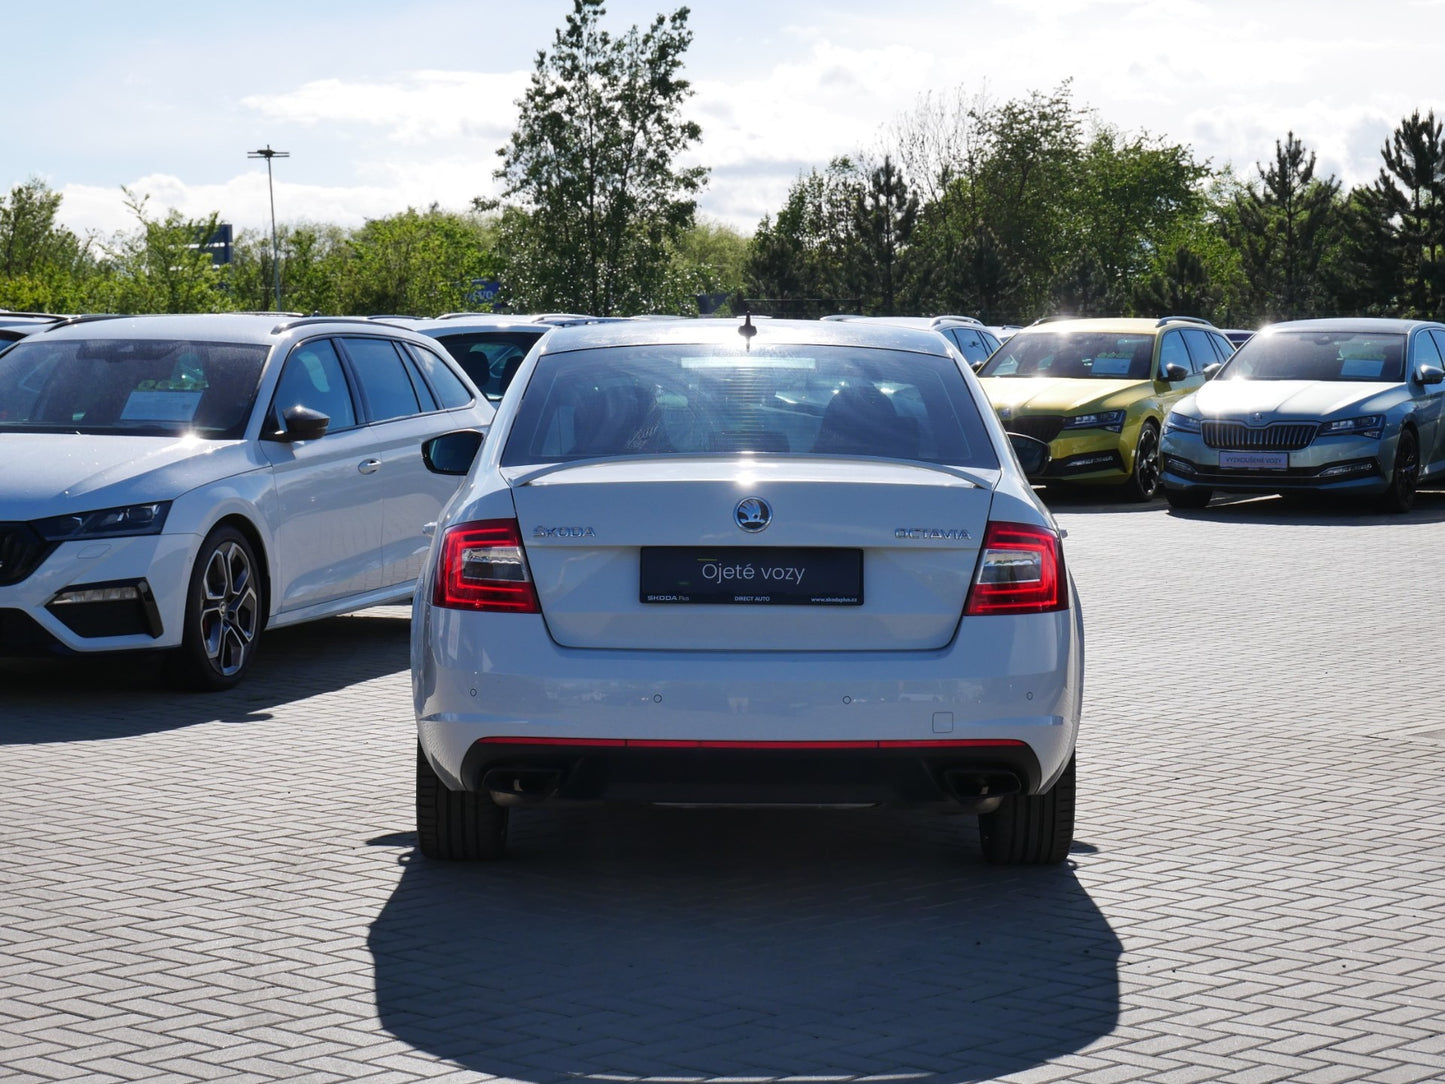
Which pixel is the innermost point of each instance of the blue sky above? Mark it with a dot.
(386, 105)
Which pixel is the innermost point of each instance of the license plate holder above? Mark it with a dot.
(1254, 461)
(750, 576)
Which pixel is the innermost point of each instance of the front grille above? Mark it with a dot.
(21, 551)
(1044, 427)
(1280, 437)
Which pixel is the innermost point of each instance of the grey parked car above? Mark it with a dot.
(1341, 405)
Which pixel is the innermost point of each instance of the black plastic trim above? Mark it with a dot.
(909, 776)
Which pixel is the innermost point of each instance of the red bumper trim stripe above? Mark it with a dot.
(669, 743)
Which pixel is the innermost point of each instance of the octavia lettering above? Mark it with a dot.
(717, 573)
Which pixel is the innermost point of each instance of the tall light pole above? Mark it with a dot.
(267, 153)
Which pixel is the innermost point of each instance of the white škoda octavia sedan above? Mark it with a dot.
(183, 482)
(699, 562)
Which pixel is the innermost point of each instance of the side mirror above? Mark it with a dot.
(977, 365)
(1033, 455)
(1211, 370)
(302, 423)
(452, 453)
(1174, 372)
(1429, 374)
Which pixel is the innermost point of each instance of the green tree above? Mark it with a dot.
(1178, 285)
(1283, 225)
(161, 267)
(592, 168)
(803, 261)
(708, 261)
(1408, 201)
(416, 262)
(43, 266)
(1132, 194)
(885, 213)
(313, 268)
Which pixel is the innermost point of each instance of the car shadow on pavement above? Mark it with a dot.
(117, 696)
(1318, 509)
(1108, 499)
(617, 944)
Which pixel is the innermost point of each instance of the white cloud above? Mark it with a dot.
(422, 107)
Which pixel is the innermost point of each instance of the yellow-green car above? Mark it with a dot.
(1097, 391)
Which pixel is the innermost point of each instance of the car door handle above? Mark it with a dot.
(369, 466)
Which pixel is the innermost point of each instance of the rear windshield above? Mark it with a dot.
(822, 400)
(490, 358)
(1076, 355)
(1369, 357)
(134, 387)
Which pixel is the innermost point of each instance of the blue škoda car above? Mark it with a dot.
(1339, 405)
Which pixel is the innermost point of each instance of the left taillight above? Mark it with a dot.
(1020, 571)
(483, 568)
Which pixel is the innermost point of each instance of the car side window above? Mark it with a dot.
(1426, 351)
(1201, 349)
(1172, 351)
(313, 378)
(1439, 337)
(448, 387)
(970, 343)
(386, 387)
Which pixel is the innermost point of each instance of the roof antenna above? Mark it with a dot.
(747, 331)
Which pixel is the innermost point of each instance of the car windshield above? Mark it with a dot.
(1319, 355)
(490, 358)
(824, 400)
(137, 387)
(1079, 355)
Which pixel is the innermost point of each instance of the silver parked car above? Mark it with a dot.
(1340, 405)
(182, 483)
(707, 562)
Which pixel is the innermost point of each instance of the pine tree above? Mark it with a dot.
(884, 216)
(1283, 226)
(1409, 198)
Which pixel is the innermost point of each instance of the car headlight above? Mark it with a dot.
(1180, 423)
(133, 519)
(1112, 420)
(1371, 425)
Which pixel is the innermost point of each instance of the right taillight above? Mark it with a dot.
(483, 568)
(1020, 571)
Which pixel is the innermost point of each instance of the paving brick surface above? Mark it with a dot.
(224, 887)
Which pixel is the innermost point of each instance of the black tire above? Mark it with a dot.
(1143, 483)
(456, 824)
(1405, 477)
(1187, 498)
(223, 616)
(1031, 829)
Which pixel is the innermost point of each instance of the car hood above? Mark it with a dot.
(1291, 399)
(1040, 395)
(45, 474)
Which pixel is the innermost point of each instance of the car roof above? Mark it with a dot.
(11, 318)
(1138, 325)
(236, 327)
(934, 322)
(1352, 323)
(726, 331)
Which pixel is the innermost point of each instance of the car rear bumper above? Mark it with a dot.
(968, 772)
(756, 725)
